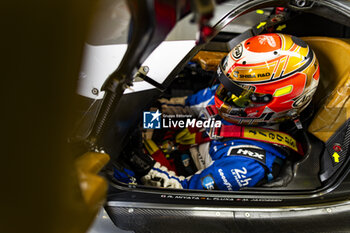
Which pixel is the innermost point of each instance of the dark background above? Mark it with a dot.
(41, 49)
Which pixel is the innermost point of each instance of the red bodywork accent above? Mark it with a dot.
(337, 148)
(165, 13)
(279, 10)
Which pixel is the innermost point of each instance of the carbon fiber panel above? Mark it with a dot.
(334, 219)
(172, 221)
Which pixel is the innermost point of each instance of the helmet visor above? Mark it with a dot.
(246, 98)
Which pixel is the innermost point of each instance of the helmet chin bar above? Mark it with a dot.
(260, 99)
(238, 112)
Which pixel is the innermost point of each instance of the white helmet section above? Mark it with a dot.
(100, 61)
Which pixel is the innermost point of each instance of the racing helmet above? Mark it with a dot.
(266, 79)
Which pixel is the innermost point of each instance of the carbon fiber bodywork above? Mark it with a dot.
(193, 219)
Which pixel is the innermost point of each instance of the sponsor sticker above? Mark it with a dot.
(257, 154)
(237, 51)
(263, 39)
(240, 176)
(208, 182)
(224, 180)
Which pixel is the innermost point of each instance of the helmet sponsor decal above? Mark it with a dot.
(259, 75)
(237, 51)
(263, 43)
(304, 99)
(263, 39)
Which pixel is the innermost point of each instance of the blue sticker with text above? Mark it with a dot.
(151, 120)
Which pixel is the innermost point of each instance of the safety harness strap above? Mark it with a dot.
(254, 133)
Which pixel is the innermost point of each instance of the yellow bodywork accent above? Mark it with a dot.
(283, 91)
(93, 187)
(209, 60)
(281, 27)
(336, 157)
(261, 25)
(332, 55)
(260, 12)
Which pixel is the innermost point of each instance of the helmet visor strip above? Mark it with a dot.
(233, 94)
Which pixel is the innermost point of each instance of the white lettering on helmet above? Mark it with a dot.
(269, 39)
